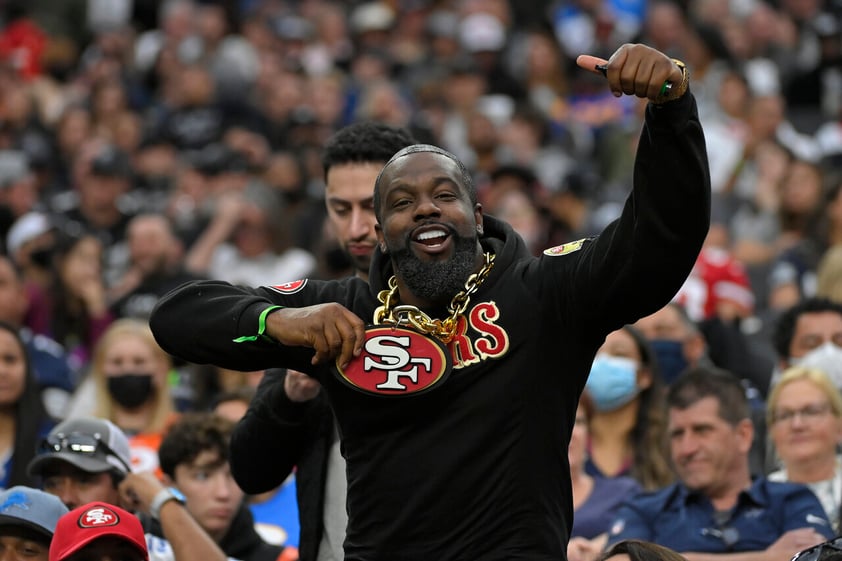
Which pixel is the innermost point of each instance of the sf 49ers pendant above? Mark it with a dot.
(396, 361)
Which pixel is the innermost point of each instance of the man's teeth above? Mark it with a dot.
(431, 234)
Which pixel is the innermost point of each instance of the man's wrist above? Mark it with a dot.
(673, 91)
(161, 498)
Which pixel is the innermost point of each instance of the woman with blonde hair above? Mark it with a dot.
(804, 416)
(130, 375)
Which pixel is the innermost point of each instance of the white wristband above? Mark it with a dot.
(164, 496)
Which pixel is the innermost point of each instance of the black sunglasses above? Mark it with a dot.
(78, 443)
(814, 553)
(729, 535)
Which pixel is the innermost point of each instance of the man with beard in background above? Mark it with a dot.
(156, 257)
(453, 428)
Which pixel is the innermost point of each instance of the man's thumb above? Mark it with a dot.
(589, 62)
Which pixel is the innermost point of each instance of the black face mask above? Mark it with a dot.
(42, 257)
(130, 390)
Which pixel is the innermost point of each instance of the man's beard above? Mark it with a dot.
(360, 263)
(156, 266)
(437, 281)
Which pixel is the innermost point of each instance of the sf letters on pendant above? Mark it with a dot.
(397, 361)
(394, 358)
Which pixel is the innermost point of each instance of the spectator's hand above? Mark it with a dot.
(582, 549)
(636, 70)
(794, 541)
(229, 208)
(333, 331)
(91, 289)
(300, 387)
(138, 489)
(130, 280)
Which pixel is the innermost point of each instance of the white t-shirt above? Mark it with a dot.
(161, 550)
(268, 269)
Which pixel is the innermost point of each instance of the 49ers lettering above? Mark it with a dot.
(397, 361)
(492, 340)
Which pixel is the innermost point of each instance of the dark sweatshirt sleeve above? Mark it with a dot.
(272, 437)
(213, 322)
(640, 261)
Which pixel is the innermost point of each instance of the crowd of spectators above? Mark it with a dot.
(144, 143)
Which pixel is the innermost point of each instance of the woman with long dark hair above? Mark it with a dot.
(79, 311)
(23, 419)
(628, 427)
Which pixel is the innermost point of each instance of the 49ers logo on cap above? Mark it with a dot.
(396, 362)
(290, 287)
(98, 516)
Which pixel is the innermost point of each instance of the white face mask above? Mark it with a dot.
(826, 357)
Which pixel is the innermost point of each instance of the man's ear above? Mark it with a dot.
(380, 239)
(745, 431)
(478, 218)
(168, 481)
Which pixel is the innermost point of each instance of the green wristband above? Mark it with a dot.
(261, 326)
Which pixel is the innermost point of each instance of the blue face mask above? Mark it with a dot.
(669, 356)
(612, 382)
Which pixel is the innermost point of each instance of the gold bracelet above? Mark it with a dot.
(672, 91)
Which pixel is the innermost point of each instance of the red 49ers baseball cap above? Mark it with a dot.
(87, 523)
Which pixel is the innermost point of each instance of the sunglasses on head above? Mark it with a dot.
(815, 553)
(77, 443)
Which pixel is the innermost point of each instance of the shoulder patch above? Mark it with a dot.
(290, 287)
(566, 248)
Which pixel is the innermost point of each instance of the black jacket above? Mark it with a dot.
(301, 437)
(476, 467)
(243, 542)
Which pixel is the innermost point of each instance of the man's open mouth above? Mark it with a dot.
(432, 237)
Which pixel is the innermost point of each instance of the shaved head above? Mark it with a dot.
(467, 180)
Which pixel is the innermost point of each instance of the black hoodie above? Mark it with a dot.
(242, 541)
(476, 467)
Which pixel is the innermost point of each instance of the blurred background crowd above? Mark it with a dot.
(148, 142)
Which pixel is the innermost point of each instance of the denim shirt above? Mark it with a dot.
(686, 521)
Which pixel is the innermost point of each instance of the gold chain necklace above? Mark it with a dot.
(390, 313)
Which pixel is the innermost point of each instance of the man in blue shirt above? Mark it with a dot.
(716, 507)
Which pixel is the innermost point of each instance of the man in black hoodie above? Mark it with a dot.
(455, 409)
(194, 458)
